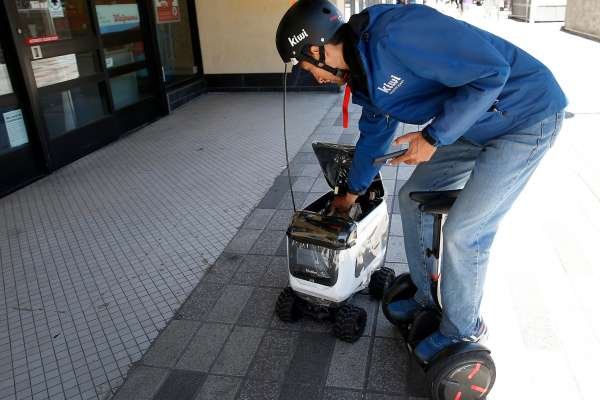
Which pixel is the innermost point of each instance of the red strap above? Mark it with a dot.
(345, 106)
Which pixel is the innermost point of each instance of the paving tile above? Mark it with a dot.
(370, 305)
(404, 172)
(286, 200)
(231, 303)
(388, 369)
(296, 170)
(399, 268)
(180, 385)
(259, 218)
(341, 394)
(399, 184)
(384, 328)
(167, 348)
(273, 356)
(389, 185)
(310, 362)
(142, 383)
(388, 172)
(312, 170)
(267, 243)
(395, 250)
(312, 197)
(320, 186)
(204, 348)
(303, 184)
(238, 351)
(307, 157)
(251, 269)
(282, 250)
(416, 381)
(349, 363)
(280, 220)
(300, 392)
(274, 196)
(259, 390)
(218, 387)
(201, 301)
(347, 139)
(396, 225)
(260, 308)
(223, 269)
(243, 241)
(381, 396)
(277, 274)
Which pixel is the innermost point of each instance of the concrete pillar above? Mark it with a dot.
(583, 18)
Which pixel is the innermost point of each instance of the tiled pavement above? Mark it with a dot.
(225, 342)
(68, 232)
(96, 258)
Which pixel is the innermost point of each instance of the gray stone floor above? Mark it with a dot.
(225, 341)
(84, 291)
(97, 257)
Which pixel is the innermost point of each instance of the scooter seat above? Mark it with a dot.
(435, 202)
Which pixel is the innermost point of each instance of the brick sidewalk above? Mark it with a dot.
(225, 341)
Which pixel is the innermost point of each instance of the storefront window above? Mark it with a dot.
(46, 21)
(12, 126)
(50, 71)
(117, 15)
(175, 39)
(130, 88)
(12, 129)
(124, 54)
(5, 85)
(73, 108)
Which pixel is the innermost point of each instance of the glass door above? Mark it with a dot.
(127, 54)
(84, 63)
(174, 34)
(19, 161)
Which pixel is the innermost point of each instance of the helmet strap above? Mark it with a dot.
(321, 63)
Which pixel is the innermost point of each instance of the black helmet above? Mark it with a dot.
(307, 22)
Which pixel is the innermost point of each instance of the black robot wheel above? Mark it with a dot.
(287, 306)
(349, 323)
(462, 376)
(381, 280)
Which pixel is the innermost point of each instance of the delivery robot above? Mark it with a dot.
(332, 257)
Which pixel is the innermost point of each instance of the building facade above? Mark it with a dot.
(583, 18)
(77, 74)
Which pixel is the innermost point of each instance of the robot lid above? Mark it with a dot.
(335, 160)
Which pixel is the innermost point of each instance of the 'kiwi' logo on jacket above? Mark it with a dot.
(391, 85)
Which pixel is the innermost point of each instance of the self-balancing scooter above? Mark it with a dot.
(464, 371)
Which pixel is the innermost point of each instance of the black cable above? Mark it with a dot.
(287, 159)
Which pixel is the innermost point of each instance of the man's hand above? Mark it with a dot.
(419, 150)
(342, 203)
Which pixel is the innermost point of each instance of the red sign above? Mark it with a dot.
(167, 11)
(41, 39)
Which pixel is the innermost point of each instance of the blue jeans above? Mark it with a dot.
(491, 177)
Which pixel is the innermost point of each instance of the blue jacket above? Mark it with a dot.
(422, 65)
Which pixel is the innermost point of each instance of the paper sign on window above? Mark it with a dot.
(15, 127)
(167, 11)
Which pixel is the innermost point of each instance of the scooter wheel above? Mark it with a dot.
(349, 323)
(464, 376)
(287, 307)
(381, 280)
